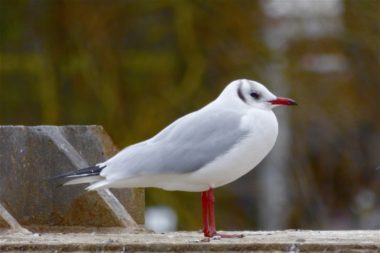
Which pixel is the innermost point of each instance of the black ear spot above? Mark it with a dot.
(255, 95)
(240, 93)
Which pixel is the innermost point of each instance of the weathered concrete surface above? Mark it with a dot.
(7, 221)
(3, 223)
(262, 241)
(29, 156)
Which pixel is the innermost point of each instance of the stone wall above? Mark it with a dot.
(30, 156)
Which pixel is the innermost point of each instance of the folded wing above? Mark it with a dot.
(183, 147)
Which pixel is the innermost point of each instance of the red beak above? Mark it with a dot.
(283, 101)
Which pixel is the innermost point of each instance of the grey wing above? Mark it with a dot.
(184, 146)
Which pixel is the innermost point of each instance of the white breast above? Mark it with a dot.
(242, 158)
(246, 154)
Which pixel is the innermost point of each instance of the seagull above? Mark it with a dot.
(198, 152)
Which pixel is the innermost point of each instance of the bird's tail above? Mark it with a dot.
(81, 176)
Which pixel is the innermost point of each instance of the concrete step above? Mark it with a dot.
(260, 241)
(30, 155)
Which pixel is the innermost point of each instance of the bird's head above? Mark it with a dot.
(254, 94)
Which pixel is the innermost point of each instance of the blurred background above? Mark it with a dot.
(135, 66)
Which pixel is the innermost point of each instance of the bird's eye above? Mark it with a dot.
(255, 95)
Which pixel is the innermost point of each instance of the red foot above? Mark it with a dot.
(229, 235)
(221, 235)
(209, 229)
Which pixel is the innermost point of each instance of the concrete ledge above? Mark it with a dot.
(30, 155)
(261, 241)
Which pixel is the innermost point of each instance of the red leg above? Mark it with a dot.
(211, 212)
(209, 227)
(205, 212)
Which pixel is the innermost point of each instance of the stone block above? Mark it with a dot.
(30, 156)
(290, 241)
(3, 223)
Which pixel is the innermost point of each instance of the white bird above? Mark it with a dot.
(198, 152)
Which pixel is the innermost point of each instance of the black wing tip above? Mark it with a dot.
(89, 171)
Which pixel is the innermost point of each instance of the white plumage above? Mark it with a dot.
(239, 124)
(200, 151)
